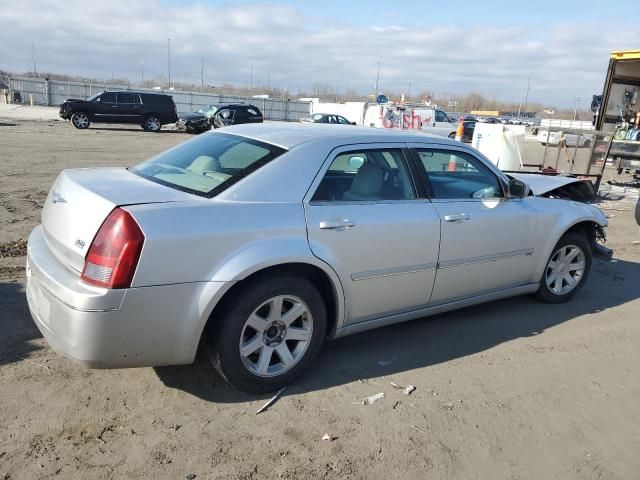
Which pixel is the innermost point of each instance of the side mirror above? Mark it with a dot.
(517, 189)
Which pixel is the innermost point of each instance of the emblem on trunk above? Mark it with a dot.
(80, 244)
(57, 198)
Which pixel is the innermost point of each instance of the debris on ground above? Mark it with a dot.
(191, 476)
(327, 437)
(371, 399)
(448, 406)
(271, 400)
(418, 429)
(409, 389)
(17, 248)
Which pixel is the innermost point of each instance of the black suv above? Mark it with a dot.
(219, 115)
(149, 110)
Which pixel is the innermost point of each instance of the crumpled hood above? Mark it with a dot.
(541, 184)
(192, 117)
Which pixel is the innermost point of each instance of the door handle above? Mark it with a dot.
(337, 224)
(457, 218)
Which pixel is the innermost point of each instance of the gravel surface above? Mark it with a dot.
(513, 389)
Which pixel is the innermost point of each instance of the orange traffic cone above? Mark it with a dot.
(460, 130)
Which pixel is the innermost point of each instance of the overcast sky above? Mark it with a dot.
(487, 46)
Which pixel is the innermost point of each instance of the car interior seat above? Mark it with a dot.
(367, 183)
(203, 164)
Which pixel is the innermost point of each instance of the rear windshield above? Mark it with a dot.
(208, 164)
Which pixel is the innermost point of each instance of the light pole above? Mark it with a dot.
(377, 81)
(575, 110)
(251, 78)
(526, 97)
(33, 55)
(169, 60)
(142, 73)
(201, 75)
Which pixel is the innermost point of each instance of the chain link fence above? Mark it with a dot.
(54, 92)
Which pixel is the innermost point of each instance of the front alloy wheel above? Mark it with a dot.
(566, 270)
(80, 120)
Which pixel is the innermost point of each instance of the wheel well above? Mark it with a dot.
(319, 278)
(587, 229)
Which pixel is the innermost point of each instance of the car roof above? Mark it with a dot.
(162, 94)
(231, 104)
(290, 135)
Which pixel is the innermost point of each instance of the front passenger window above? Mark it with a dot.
(366, 176)
(457, 175)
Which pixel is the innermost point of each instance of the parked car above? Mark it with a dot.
(198, 121)
(149, 110)
(467, 133)
(235, 114)
(259, 242)
(327, 118)
(569, 139)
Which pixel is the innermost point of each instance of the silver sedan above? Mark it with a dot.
(262, 241)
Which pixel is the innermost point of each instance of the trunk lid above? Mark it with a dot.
(80, 200)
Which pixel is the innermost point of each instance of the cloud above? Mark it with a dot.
(295, 51)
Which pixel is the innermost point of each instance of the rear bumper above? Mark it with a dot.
(102, 328)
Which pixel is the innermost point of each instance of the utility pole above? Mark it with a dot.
(268, 81)
(251, 78)
(169, 60)
(409, 95)
(377, 81)
(520, 104)
(142, 73)
(33, 55)
(575, 110)
(526, 97)
(201, 75)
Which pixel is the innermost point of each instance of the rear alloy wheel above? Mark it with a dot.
(80, 120)
(152, 124)
(269, 333)
(566, 270)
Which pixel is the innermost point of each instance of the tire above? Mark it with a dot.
(638, 212)
(247, 319)
(550, 291)
(80, 120)
(152, 123)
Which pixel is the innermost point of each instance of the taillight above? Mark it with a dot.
(114, 253)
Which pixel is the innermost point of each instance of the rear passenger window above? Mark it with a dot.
(456, 175)
(126, 98)
(366, 176)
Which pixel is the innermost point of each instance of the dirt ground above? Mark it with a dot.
(513, 389)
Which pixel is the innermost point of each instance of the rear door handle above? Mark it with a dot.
(457, 218)
(337, 224)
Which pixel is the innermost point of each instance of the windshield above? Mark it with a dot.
(208, 164)
(207, 111)
(91, 99)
